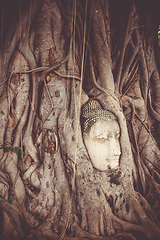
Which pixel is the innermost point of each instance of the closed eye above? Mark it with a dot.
(102, 139)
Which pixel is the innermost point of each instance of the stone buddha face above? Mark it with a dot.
(101, 139)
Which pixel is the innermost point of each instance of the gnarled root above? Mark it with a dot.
(28, 141)
(42, 204)
(29, 145)
(12, 170)
(10, 163)
(12, 219)
(95, 217)
(3, 119)
(4, 186)
(145, 218)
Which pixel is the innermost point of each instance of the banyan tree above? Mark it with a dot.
(64, 65)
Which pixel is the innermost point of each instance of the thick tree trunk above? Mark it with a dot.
(56, 56)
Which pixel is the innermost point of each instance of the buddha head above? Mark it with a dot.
(101, 133)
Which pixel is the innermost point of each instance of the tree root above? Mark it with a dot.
(4, 185)
(3, 119)
(80, 233)
(43, 202)
(11, 162)
(14, 214)
(27, 140)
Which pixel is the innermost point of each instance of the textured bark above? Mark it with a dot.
(55, 55)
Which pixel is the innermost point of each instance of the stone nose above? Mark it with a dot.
(114, 147)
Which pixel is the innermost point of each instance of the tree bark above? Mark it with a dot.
(55, 55)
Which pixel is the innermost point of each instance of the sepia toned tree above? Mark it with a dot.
(54, 56)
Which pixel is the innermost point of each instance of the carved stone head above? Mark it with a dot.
(101, 132)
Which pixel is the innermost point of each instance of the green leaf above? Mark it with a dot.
(7, 149)
(11, 198)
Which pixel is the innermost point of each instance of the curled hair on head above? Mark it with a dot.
(91, 112)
